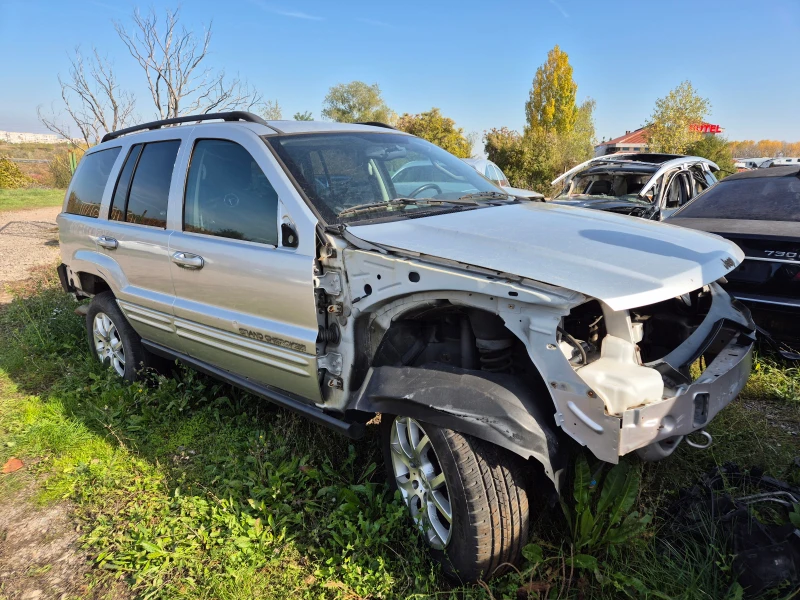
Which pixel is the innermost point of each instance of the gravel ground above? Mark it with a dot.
(28, 238)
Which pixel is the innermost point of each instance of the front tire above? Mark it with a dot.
(468, 497)
(112, 340)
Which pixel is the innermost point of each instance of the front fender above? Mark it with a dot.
(492, 407)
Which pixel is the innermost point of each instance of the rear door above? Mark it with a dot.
(244, 300)
(135, 237)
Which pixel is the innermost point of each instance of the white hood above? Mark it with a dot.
(624, 261)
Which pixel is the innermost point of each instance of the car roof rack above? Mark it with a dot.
(236, 115)
(377, 124)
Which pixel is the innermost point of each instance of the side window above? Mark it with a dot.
(228, 195)
(147, 199)
(674, 192)
(90, 181)
(697, 182)
(502, 179)
(117, 212)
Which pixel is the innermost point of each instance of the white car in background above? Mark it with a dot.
(493, 173)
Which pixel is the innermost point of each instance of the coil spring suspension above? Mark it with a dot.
(496, 360)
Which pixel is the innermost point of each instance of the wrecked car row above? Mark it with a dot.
(757, 210)
(315, 265)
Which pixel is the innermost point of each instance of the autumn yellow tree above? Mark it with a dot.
(558, 134)
(438, 129)
(670, 129)
(551, 102)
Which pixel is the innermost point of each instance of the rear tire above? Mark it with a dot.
(112, 340)
(487, 491)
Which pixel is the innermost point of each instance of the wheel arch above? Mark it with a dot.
(96, 272)
(496, 408)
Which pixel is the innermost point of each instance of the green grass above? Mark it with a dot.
(186, 488)
(29, 198)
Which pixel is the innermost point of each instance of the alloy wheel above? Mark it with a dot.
(108, 343)
(421, 481)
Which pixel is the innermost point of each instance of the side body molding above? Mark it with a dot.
(491, 407)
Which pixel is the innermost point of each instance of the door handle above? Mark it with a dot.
(107, 242)
(187, 260)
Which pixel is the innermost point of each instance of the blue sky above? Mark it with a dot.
(474, 60)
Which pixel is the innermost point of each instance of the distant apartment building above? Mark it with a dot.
(16, 137)
(636, 141)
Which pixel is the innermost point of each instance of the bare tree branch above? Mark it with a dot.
(93, 101)
(173, 61)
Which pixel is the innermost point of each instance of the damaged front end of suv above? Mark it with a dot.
(626, 343)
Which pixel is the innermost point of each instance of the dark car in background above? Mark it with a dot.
(758, 210)
(650, 186)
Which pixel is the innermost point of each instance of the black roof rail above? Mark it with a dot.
(236, 115)
(377, 124)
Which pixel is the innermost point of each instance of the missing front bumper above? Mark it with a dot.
(694, 405)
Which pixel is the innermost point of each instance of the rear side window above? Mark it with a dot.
(149, 192)
(754, 199)
(117, 212)
(228, 195)
(90, 181)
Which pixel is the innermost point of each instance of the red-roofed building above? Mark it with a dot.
(632, 141)
(636, 141)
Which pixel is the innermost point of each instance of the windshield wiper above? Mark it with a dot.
(378, 206)
(487, 195)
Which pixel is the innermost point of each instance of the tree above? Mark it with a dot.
(551, 101)
(505, 148)
(716, 148)
(753, 149)
(533, 159)
(523, 158)
(92, 99)
(671, 124)
(437, 129)
(271, 111)
(559, 134)
(577, 145)
(303, 116)
(174, 62)
(356, 102)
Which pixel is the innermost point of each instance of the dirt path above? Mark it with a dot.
(28, 238)
(41, 557)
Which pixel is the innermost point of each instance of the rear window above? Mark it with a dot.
(90, 181)
(754, 199)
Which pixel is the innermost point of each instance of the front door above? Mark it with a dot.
(244, 303)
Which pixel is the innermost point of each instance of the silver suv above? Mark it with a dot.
(288, 259)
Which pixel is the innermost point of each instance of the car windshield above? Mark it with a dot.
(340, 172)
(618, 184)
(752, 199)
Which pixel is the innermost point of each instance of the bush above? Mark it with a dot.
(60, 173)
(10, 175)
